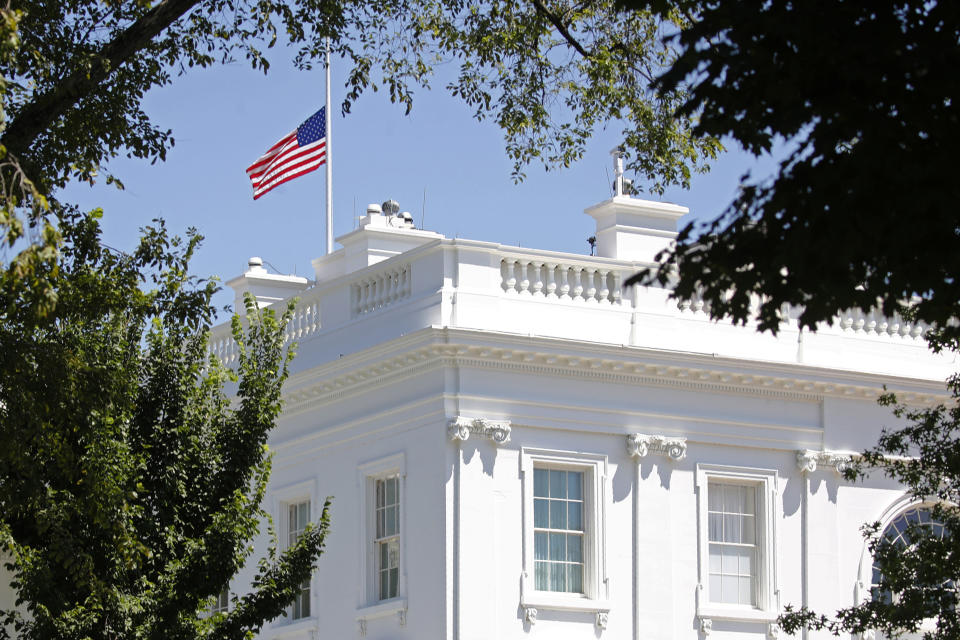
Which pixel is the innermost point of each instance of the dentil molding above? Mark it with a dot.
(639, 445)
(460, 429)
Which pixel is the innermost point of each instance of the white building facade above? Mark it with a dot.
(520, 447)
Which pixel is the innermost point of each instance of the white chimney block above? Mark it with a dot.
(266, 287)
(634, 229)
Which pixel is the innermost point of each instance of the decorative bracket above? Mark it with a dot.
(773, 631)
(602, 617)
(460, 429)
(403, 617)
(706, 626)
(363, 626)
(639, 445)
(808, 459)
(530, 615)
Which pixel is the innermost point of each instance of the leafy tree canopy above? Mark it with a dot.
(862, 211)
(549, 73)
(130, 484)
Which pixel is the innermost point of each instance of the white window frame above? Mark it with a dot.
(369, 605)
(595, 597)
(768, 513)
(223, 607)
(283, 498)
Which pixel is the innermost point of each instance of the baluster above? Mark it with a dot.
(408, 281)
(617, 278)
(551, 269)
(505, 270)
(577, 283)
(391, 287)
(564, 282)
(512, 280)
(604, 294)
(846, 320)
(524, 277)
(367, 296)
(894, 327)
(871, 321)
(858, 321)
(537, 278)
(590, 294)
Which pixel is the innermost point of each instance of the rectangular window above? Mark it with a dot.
(298, 518)
(732, 523)
(558, 530)
(738, 510)
(387, 536)
(222, 603)
(564, 534)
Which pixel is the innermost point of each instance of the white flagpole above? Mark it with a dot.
(328, 163)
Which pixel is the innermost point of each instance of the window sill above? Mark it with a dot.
(736, 614)
(554, 602)
(382, 609)
(283, 628)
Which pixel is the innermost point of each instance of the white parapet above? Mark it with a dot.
(634, 229)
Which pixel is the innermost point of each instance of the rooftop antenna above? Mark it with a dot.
(609, 181)
(423, 208)
(617, 154)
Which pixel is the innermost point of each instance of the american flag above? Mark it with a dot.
(297, 153)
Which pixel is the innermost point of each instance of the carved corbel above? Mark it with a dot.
(362, 623)
(773, 631)
(602, 617)
(402, 614)
(807, 460)
(530, 615)
(640, 445)
(460, 428)
(706, 626)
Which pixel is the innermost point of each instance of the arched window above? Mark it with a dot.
(897, 534)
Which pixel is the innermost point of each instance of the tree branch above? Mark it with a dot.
(562, 28)
(38, 115)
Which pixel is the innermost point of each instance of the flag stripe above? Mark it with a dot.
(299, 152)
(292, 156)
(283, 177)
(286, 177)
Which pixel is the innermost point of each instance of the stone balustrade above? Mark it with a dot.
(379, 290)
(578, 282)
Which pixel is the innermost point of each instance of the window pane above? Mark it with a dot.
(391, 491)
(575, 516)
(748, 534)
(384, 585)
(575, 583)
(575, 485)
(748, 501)
(380, 493)
(558, 514)
(305, 603)
(304, 509)
(729, 563)
(540, 483)
(558, 484)
(558, 546)
(394, 582)
(730, 589)
(391, 522)
(380, 524)
(383, 555)
(731, 528)
(393, 553)
(746, 590)
(540, 546)
(731, 498)
(574, 548)
(540, 575)
(716, 556)
(746, 562)
(715, 591)
(558, 577)
(714, 497)
(541, 513)
(716, 527)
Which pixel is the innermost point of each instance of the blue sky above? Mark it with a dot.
(223, 118)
